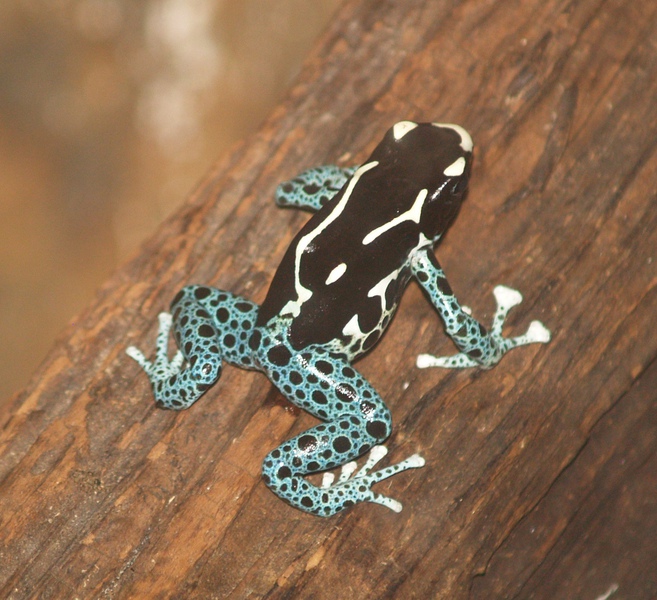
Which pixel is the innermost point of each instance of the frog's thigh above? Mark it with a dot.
(210, 322)
(321, 382)
(328, 387)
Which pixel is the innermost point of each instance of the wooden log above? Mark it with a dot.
(540, 479)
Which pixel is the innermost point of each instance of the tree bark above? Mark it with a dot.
(541, 473)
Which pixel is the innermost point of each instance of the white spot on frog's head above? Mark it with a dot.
(456, 168)
(336, 273)
(466, 140)
(399, 130)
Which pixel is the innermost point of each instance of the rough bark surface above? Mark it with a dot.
(541, 476)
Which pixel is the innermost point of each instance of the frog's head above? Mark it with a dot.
(432, 159)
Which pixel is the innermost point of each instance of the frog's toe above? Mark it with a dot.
(391, 503)
(355, 484)
(414, 461)
(345, 473)
(368, 478)
(538, 332)
(165, 320)
(137, 355)
(456, 361)
(506, 297)
(177, 362)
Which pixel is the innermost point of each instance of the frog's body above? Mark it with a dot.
(330, 301)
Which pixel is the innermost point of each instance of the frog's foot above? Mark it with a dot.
(494, 342)
(161, 367)
(173, 386)
(364, 480)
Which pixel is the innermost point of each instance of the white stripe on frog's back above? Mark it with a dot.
(293, 307)
(352, 328)
(412, 214)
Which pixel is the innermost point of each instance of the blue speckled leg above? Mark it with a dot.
(478, 347)
(314, 187)
(208, 325)
(356, 420)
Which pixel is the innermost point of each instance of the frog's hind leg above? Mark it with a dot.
(356, 421)
(208, 325)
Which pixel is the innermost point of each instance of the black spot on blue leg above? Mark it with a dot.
(311, 188)
(200, 293)
(379, 430)
(206, 331)
(443, 286)
(307, 443)
(255, 339)
(279, 355)
(342, 444)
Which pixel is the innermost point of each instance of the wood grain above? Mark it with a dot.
(541, 474)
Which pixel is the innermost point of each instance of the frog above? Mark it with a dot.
(373, 229)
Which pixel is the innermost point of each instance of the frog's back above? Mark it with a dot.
(342, 277)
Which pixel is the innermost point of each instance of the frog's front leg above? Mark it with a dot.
(356, 420)
(314, 187)
(209, 325)
(478, 346)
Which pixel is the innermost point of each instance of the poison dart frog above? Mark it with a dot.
(331, 299)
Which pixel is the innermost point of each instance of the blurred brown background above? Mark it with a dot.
(110, 111)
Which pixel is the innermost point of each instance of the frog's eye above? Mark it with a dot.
(459, 186)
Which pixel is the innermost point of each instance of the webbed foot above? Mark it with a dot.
(161, 368)
(506, 299)
(175, 387)
(364, 480)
